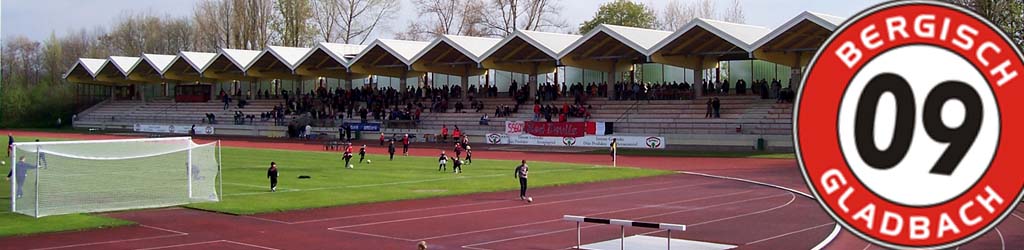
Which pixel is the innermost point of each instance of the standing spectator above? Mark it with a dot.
(710, 109)
(717, 104)
(391, 150)
(192, 131)
(226, 99)
(382, 138)
(521, 173)
(613, 148)
(444, 133)
(272, 175)
(457, 134)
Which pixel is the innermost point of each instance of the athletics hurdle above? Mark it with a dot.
(622, 228)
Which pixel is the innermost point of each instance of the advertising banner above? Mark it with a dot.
(173, 129)
(363, 126)
(586, 141)
(559, 129)
(514, 127)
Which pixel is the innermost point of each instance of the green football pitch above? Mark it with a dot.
(246, 187)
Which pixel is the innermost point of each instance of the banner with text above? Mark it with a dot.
(514, 127)
(586, 141)
(363, 126)
(560, 129)
(173, 129)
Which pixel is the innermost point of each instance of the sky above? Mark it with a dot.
(36, 19)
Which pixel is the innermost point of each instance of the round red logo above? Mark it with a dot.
(904, 128)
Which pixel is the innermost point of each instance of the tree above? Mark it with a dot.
(621, 12)
(676, 14)
(446, 17)
(53, 58)
(1007, 14)
(734, 13)
(506, 16)
(293, 23)
(352, 21)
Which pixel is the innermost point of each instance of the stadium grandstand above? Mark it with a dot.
(647, 83)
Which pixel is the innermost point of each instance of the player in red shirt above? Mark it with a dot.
(348, 154)
(405, 145)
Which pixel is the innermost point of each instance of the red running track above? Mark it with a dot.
(716, 210)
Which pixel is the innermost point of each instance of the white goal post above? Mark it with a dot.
(66, 177)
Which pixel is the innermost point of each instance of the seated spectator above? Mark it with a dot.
(484, 120)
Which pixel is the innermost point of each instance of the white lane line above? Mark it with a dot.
(791, 199)
(473, 246)
(370, 234)
(250, 245)
(558, 220)
(209, 242)
(821, 245)
(181, 245)
(1002, 242)
(598, 190)
(1018, 216)
(517, 207)
(789, 233)
(174, 234)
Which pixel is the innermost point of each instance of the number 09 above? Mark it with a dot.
(959, 138)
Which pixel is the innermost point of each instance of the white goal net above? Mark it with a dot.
(50, 178)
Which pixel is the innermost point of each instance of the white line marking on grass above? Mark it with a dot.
(209, 242)
(515, 207)
(790, 233)
(260, 187)
(473, 246)
(392, 183)
(597, 190)
(558, 220)
(174, 234)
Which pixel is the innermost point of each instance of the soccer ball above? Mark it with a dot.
(3, 163)
(369, 161)
(529, 199)
(351, 166)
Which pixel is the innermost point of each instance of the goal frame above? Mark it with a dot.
(191, 145)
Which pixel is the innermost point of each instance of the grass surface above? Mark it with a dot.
(680, 153)
(245, 185)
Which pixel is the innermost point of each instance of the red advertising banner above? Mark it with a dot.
(562, 129)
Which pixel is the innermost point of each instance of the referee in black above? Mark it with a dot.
(521, 173)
